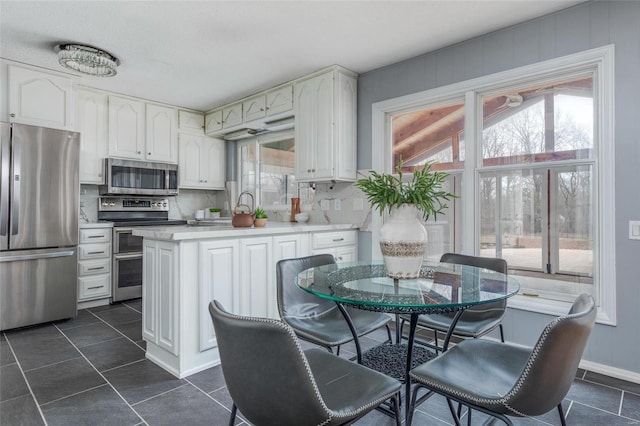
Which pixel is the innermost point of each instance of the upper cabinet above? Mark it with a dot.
(325, 110)
(256, 112)
(202, 162)
(142, 131)
(41, 99)
(126, 128)
(92, 124)
(161, 134)
(190, 122)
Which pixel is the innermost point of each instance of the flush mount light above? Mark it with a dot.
(87, 60)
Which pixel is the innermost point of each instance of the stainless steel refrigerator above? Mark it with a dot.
(39, 204)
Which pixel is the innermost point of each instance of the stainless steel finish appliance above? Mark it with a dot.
(130, 177)
(39, 204)
(127, 214)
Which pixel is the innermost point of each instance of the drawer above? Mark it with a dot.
(333, 239)
(94, 287)
(95, 235)
(94, 251)
(93, 267)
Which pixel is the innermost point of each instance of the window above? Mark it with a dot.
(267, 169)
(530, 153)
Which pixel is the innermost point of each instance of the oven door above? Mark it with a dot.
(125, 242)
(127, 276)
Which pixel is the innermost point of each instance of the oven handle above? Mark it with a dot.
(127, 256)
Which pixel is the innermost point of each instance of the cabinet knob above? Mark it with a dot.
(139, 152)
(148, 153)
(12, 115)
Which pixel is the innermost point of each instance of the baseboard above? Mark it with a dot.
(607, 370)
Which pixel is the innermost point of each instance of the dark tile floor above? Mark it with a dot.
(92, 371)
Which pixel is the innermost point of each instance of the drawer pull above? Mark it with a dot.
(96, 236)
(335, 240)
(96, 252)
(95, 287)
(95, 269)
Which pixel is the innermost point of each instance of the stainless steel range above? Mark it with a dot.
(127, 213)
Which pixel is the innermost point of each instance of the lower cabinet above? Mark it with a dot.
(160, 294)
(341, 244)
(94, 263)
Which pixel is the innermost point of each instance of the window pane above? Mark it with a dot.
(545, 122)
(442, 235)
(277, 179)
(430, 134)
(248, 164)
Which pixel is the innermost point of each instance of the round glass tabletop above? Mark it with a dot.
(443, 287)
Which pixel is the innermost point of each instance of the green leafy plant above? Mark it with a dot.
(424, 191)
(260, 213)
(215, 210)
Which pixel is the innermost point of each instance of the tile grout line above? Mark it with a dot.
(160, 394)
(620, 405)
(102, 375)
(24, 377)
(73, 394)
(208, 394)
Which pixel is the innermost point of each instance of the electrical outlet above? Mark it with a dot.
(324, 205)
(337, 204)
(634, 229)
(358, 204)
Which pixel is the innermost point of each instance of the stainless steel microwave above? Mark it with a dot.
(131, 177)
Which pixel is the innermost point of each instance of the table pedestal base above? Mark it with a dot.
(391, 359)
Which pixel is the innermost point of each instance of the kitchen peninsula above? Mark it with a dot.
(185, 267)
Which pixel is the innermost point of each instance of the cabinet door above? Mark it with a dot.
(167, 296)
(149, 291)
(213, 161)
(286, 247)
(346, 116)
(322, 151)
(305, 107)
(213, 122)
(219, 274)
(92, 125)
(232, 116)
(126, 128)
(254, 108)
(191, 121)
(41, 99)
(162, 134)
(190, 162)
(257, 289)
(280, 100)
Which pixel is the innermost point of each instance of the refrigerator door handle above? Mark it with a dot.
(37, 256)
(4, 180)
(15, 193)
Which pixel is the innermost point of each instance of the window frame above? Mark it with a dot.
(601, 62)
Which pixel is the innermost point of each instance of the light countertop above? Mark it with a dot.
(89, 225)
(199, 232)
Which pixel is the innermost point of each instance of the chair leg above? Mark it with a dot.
(338, 351)
(563, 420)
(401, 328)
(389, 333)
(435, 340)
(501, 333)
(395, 403)
(456, 417)
(232, 419)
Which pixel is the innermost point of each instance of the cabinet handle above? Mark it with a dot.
(148, 153)
(96, 252)
(139, 152)
(96, 236)
(335, 240)
(93, 288)
(95, 269)
(12, 115)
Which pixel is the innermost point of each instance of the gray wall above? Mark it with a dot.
(573, 30)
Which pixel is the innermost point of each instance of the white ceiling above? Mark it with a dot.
(202, 54)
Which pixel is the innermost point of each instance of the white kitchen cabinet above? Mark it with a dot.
(257, 277)
(201, 162)
(219, 270)
(161, 295)
(279, 100)
(325, 111)
(161, 134)
(126, 128)
(94, 263)
(191, 122)
(343, 245)
(41, 99)
(224, 118)
(92, 119)
(213, 122)
(254, 108)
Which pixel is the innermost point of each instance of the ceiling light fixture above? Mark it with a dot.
(87, 60)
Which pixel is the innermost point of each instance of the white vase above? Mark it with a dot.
(403, 240)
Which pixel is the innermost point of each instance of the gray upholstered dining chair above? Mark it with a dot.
(475, 321)
(315, 319)
(504, 379)
(273, 382)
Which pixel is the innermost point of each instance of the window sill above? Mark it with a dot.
(550, 307)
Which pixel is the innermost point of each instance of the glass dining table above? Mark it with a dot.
(440, 288)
